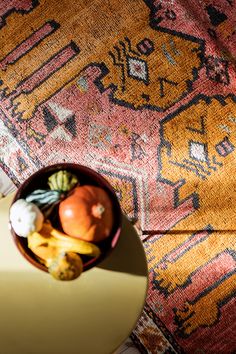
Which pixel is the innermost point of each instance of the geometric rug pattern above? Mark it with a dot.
(143, 92)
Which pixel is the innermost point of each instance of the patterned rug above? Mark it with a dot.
(143, 91)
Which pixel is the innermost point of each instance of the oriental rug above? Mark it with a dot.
(143, 91)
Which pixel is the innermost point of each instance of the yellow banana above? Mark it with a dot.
(50, 240)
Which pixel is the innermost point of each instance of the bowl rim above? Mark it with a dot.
(96, 176)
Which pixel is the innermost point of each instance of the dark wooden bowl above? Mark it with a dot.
(86, 176)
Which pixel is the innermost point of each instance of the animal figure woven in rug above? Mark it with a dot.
(143, 91)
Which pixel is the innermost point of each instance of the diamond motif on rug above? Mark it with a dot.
(198, 151)
(138, 69)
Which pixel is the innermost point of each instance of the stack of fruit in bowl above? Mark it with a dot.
(66, 225)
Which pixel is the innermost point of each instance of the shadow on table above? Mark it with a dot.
(128, 255)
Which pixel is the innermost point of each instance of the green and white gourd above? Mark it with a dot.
(42, 197)
(63, 181)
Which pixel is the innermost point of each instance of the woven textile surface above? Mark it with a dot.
(143, 91)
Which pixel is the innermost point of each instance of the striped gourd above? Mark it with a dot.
(62, 180)
(42, 197)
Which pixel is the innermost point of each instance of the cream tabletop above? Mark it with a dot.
(93, 314)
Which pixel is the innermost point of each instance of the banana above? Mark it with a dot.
(49, 241)
(76, 245)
